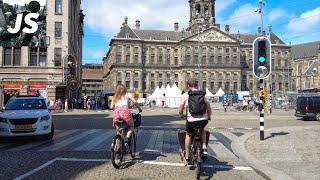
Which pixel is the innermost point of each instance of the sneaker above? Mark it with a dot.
(204, 154)
(128, 141)
(189, 163)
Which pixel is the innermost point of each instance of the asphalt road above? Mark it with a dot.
(80, 148)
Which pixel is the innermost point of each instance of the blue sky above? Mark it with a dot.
(294, 21)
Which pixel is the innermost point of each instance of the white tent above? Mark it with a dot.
(174, 97)
(241, 94)
(155, 93)
(208, 93)
(219, 93)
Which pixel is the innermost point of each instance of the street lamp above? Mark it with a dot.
(314, 72)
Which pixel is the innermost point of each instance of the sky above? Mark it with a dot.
(294, 21)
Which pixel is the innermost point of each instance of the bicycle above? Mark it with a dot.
(196, 152)
(119, 147)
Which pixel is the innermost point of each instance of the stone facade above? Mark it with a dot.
(49, 72)
(92, 80)
(144, 59)
(306, 65)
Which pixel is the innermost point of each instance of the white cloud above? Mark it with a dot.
(244, 19)
(23, 2)
(307, 22)
(276, 14)
(107, 16)
(223, 4)
(95, 53)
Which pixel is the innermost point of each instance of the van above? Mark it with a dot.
(308, 107)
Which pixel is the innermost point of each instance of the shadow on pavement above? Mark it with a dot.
(277, 134)
(208, 172)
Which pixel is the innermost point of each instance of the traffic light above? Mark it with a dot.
(262, 57)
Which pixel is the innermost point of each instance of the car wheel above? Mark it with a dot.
(318, 117)
(50, 135)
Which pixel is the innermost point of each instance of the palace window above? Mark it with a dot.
(58, 29)
(12, 56)
(57, 56)
(58, 6)
(38, 57)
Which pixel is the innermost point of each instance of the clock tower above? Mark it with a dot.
(202, 15)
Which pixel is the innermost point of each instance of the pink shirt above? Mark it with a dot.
(184, 103)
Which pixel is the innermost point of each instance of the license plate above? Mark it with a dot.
(29, 126)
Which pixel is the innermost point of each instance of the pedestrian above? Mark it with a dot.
(56, 106)
(225, 104)
(163, 100)
(198, 115)
(60, 104)
(89, 104)
(65, 106)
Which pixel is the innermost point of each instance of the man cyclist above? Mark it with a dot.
(195, 118)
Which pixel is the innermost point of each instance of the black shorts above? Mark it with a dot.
(191, 125)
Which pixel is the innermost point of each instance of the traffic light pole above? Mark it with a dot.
(261, 112)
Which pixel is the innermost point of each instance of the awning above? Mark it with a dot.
(12, 86)
(36, 87)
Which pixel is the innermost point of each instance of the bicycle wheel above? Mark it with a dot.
(133, 145)
(199, 162)
(116, 151)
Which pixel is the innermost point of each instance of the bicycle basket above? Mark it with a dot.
(137, 120)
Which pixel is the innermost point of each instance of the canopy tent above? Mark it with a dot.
(219, 93)
(174, 97)
(241, 94)
(208, 93)
(155, 93)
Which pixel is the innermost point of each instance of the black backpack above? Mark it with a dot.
(196, 102)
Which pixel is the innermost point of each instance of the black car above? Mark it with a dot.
(308, 107)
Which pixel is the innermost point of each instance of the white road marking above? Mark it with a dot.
(92, 144)
(28, 146)
(163, 127)
(240, 168)
(231, 128)
(67, 141)
(36, 169)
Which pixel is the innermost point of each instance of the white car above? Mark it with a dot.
(26, 116)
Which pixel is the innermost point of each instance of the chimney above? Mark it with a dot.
(217, 26)
(259, 30)
(176, 26)
(227, 29)
(137, 24)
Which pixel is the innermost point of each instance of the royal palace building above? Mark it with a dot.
(143, 59)
(48, 61)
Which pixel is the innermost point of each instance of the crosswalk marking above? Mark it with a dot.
(95, 142)
(56, 137)
(151, 144)
(67, 141)
(148, 140)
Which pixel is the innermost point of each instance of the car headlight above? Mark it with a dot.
(3, 120)
(45, 118)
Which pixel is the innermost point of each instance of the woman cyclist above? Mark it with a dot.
(120, 105)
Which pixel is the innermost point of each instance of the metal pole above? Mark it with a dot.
(261, 112)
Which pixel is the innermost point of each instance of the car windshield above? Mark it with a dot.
(26, 104)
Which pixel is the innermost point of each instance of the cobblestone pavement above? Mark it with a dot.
(159, 157)
(294, 151)
(80, 148)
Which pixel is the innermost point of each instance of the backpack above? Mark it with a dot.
(196, 102)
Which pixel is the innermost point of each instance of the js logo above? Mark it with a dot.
(27, 21)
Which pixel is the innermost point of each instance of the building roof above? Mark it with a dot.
(92, 74)
(162, 35)
(305, 50)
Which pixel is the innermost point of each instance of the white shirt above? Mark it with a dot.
(123, 102)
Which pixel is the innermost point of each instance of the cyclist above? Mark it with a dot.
(120, 105)
(198, 114)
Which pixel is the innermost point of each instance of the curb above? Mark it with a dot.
(258, 166)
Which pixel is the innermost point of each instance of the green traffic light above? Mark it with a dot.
(262, 59)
